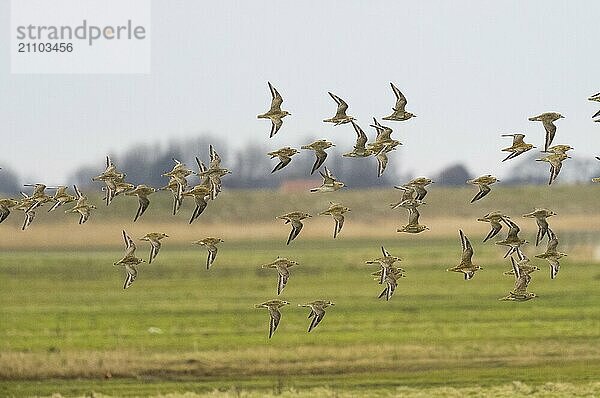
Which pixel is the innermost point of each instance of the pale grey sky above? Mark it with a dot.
(470, 69)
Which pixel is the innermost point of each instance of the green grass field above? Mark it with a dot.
(67, 326)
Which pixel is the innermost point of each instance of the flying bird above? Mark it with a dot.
(360, 150)
(61, 197)
(548, 120)
(399, 113)
(413, 226)
(275, 314)
(129, 261)
(275, 114)
(518, 146)
(483, 183)
(317, 311)
(210, 244)
(154, 239)
(522, 280)
(494, 218)
(5, 205)
(552, 255)
(340, 116)
(82, 207)
(555, 160)
(390, 281)
(319, 147)
(595, 98)
(295, 218)
(386, 262)
(282, 266)
(540, 216)
(330, 183)
(466, 266)
(419, 185)
(142, 191)
(336, 211)
(284, 155)
(512, 239)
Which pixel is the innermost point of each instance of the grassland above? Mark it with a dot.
(68, 327)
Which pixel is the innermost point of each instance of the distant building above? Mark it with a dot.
(299, 185)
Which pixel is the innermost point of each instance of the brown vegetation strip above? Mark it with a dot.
(270, 361)
(98, 234)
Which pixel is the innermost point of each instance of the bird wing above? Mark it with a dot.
(421, 192)
(552, 242)
(275, 318)
(513, 230)
(276, 123)
(212, 255)
(382, 161)
(328, 178)
(339, 223)
(554, 267)
(283, 276)
(154, 249)
(400, 99)
(215, 159)
(276, 99)
(342, 106)
(77, 193)
(408, 192)
(84, 214)
(296, 228)
(385, 252)
(543, 229)
(144, 202)
(321, 156)
(4, 212)
(361, 137)
(496, 227)
(550, 132)
(521, 283)
(484, 189)
(467, 249)
(413, 216)
(129, 244)
(201, 205)
(319, 313)
(131, 275)
(283, 161)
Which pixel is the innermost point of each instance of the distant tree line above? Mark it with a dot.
(251, 167)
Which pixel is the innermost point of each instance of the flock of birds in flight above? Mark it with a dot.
(413, 194)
